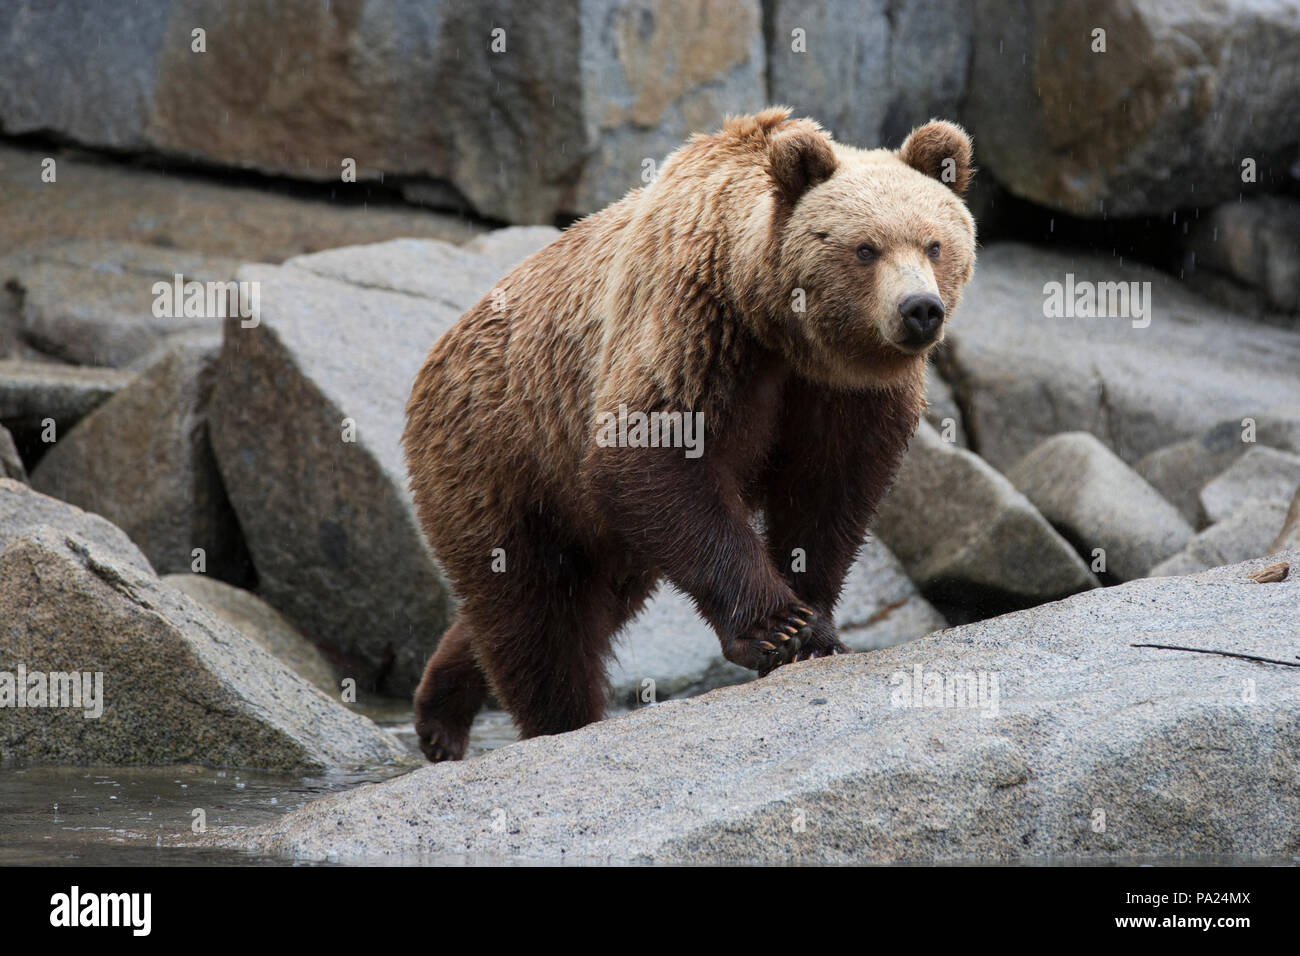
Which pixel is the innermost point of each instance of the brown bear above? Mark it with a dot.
(777, 288)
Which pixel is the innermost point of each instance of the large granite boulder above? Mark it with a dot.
(214, 215)
(1098, 502)
(158, 680)
(143, 461)
(913, 56)
(306, 420)
(968, 538)
(1261, 474)
(1248, 532)
(520, 110)
(1161, 118)
(1052, 732)
(1024, 373)
(261, 623)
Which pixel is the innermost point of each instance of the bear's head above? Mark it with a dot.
(875, 246)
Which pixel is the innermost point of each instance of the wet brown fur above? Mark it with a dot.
(675, 298)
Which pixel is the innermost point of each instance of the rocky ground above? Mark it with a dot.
(1077, 738)
(1065, 652)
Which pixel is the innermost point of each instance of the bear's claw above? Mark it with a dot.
(774, 641)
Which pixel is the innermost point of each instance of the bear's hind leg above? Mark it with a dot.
(449, 695)
(544, 639)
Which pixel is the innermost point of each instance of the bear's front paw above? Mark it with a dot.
(772, 641)
(824, 641)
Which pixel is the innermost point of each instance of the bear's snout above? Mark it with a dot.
(922, 318)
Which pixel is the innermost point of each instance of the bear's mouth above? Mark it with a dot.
(917, 349)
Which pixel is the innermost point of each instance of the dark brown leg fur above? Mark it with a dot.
(686, 518)
(449, 695)
(544, 631)
(833, 459)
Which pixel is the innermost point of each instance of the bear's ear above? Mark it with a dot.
(800, 159)
(941, 150)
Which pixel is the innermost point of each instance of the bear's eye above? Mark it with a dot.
(932, 250)
(868, 252)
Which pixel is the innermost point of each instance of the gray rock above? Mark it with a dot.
(1256, 242)
(1179, 471)
(669, 643)
(1290, 534)
(966, 536)
(92, 302)
(11, 464)
(220, 216)
(329, 522)
(941, 410)
(913, 56)
(1264, 474)
(511, 245)
(560, 120)
(23, 511)
(1023, 377)
(177, 685)
(32, 392)
(453, 276)
(1247, 533)
(261, 623)
(1162, 119)
(92, 92)
(142, 460)
(649, 73)
(1097, 501)
(1177, 753)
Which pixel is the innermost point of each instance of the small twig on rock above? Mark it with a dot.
(1272, 573)
(1206, 650)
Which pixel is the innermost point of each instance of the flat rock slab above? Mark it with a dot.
(669, 644)
(91, 302)
(173, 684)
(31, 392)
(1262, 474)
(967, 537)
(836, 761)
(306, 421)
(219, 217)
(1025, 377)
(1098, 502)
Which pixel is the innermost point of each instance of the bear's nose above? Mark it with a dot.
(922, 315)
